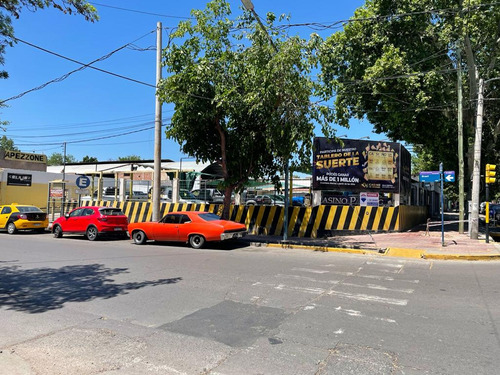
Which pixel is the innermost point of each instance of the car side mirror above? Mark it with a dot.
(66, 216)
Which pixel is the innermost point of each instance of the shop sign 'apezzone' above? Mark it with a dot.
(25, 156)
(361, 165)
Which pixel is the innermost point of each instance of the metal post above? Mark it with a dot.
(441, 177)
(461, 178)
(158, 121)
(487, 213)
(63, 199)
(476, 181)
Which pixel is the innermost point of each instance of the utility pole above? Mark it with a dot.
(158, 121)
(250, 7)
(63, 199)
(461, 178)
(476, 180)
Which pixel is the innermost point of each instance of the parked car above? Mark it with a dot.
(185, 196)
(191, 227)
(137, 196)
(495, 212)
(14, 217)
(259, 200)
(92, 222)
(209, 195)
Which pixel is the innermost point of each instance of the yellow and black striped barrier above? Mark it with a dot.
(303, 221)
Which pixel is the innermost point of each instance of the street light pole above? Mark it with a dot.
(158, 120)
(250, 7)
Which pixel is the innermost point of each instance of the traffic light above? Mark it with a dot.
(490, 173)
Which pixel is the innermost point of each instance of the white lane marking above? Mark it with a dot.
(309, 270)
(299, 289)
(309, 307)
(380, 287)
(306, 278)
(360, 315)
(339, 331)
(386, 264)
(370, 298)
(292, 288)
(375, 277)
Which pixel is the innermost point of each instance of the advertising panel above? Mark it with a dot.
(17, 179)
(359, 165)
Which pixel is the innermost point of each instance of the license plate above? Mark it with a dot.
(36, 224)
(118, 229)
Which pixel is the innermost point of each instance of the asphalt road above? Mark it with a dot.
(70, 306)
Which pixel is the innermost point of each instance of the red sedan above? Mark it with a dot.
(192, 227)
(92, 222)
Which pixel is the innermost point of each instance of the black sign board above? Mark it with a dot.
(17, 179)
(360, 165)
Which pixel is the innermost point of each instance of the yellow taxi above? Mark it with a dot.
(15, 216)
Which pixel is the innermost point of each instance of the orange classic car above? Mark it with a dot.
(191, 227)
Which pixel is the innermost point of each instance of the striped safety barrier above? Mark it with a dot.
(302, 221)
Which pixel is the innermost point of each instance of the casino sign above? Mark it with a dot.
(361, 165)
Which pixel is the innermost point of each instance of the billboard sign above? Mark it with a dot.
(18, 179)
(360, 165)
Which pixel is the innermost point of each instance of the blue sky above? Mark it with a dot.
(90, 104)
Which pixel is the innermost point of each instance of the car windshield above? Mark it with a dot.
(209, 216)
(28, 209)
(185, 194)
(111, 211)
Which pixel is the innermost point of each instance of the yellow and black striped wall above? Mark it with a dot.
(303, 221)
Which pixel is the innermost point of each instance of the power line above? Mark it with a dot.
(84, 66)
(140, 11)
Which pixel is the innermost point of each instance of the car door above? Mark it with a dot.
(168, 228)
(185, 227)
(4, 215)
(72, 222)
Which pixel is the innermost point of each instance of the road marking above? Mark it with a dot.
(358, 314)
(299, 289)
(339, 331)
(386, 264)
(380, 287)
(375, 277)
(317, 291)
(309, 270)
(370, 298)
(305, 278)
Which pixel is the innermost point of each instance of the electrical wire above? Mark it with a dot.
(140, 12)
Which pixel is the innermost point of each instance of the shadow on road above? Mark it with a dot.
(42, 289)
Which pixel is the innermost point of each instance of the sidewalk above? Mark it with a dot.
(413, 244)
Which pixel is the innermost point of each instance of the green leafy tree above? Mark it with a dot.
(130, 158)
(13, 8)
(395, 64)
(89, 159)
(57, 158)
(7, 144)
(239, 100)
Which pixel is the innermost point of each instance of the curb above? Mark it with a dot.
(389, 252)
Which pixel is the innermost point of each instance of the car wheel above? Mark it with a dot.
(196, 241)
(11, 228)
(57, 232)
(91, 233)
(139, 237)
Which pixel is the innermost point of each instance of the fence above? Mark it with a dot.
(303, 221)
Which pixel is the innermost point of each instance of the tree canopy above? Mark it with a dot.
(7, 144)
(395, 64)
(239, 100)
(13, 8)
(57, 158)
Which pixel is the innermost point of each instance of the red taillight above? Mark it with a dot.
(23, 217)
